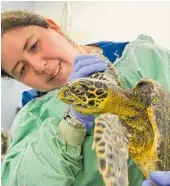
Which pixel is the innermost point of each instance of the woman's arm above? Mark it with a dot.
(44, 157)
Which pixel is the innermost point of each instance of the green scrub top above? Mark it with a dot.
(40, 154)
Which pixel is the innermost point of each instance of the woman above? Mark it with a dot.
(48, 146)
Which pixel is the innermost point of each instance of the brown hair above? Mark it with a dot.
(13, 19)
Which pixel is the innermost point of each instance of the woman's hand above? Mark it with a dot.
(160, 178)
(84, 66)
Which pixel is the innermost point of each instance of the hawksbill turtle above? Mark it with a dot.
(132, 122)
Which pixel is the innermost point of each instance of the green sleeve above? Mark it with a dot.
(39, 154)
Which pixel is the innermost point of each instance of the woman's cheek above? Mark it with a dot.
(66, 72)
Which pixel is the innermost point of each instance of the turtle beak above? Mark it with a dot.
(60, 94)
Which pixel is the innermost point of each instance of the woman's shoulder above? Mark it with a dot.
(112, 49)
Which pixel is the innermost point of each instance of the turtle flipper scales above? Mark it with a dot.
(111, 144)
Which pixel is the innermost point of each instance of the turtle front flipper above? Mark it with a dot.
(111, 143)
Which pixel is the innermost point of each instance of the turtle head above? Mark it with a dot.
(87, 96)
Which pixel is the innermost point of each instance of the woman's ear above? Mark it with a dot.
(54, 26)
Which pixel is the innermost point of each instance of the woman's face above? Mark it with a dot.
(38, 57)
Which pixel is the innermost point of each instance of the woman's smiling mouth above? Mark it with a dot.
(56, 74)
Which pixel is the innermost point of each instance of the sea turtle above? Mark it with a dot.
(133, 122)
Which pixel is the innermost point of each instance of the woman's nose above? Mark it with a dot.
(38, 64)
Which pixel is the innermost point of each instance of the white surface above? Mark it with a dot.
(113, 20)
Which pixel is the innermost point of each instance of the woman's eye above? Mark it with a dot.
(22, 70)
(34, 47)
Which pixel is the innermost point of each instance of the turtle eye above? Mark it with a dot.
(67, 93)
